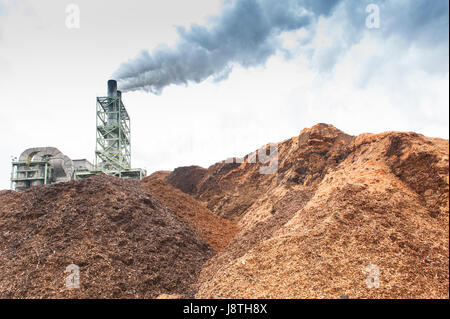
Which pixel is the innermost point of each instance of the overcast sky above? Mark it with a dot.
(288, 65)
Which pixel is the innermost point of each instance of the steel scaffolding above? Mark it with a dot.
(113, 147)
(113, 138)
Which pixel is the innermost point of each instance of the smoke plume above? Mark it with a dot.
(246, 34)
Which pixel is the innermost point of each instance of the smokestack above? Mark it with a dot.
(112, 88)
(119, 95)
(113, 106)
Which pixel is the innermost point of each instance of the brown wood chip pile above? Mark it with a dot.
(382, 205)
(216, 231)
(362, 217)
(126, 243)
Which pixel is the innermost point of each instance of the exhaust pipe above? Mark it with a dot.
(112, 88)
(113, 115)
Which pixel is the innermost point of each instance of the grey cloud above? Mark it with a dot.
(247, 33)
(419, 23)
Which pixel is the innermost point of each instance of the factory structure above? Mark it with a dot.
(47, 165)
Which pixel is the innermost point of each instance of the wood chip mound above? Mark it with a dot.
(357, 216)
(363, 217)
(216, 231)
(126, 243)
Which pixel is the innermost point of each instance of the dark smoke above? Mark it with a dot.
(245, 34)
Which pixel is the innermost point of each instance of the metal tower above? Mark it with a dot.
(113, 138)
(113, 147)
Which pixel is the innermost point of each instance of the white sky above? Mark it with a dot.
(51, 75)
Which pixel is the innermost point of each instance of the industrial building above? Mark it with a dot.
(47, 165)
